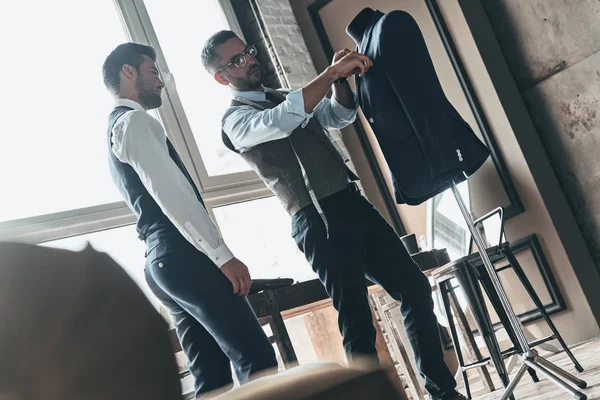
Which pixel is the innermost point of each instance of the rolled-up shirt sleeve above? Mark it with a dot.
(139, 140)
(332, 115)
(247, 127)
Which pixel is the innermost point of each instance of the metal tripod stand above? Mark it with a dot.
(529, 357)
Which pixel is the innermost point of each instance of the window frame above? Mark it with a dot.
(216, 191)
(172, 113)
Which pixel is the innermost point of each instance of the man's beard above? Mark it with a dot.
(251, 81)
(149, 97)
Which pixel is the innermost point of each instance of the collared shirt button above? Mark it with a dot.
(160, 265)
(371, 120)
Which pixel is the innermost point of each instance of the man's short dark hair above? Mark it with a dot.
(209, 52)
(126, 53)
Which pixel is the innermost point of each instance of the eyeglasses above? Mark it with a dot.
(239, 60)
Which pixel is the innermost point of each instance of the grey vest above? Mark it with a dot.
(276, 162)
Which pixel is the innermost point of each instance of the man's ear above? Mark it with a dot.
(128, 71)
(221, 79)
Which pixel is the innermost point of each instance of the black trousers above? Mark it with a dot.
(214, 325)
(362, 244)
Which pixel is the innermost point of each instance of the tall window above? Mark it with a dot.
(55, 106)
(182, 27)
(258, 232)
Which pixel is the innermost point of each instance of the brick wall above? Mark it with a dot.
(284, 33)
(253, 33)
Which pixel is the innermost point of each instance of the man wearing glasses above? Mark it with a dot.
(283, 136)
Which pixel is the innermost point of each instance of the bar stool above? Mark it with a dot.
(470, 272)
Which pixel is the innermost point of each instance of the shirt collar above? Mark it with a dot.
(252, 95)
(129, 103)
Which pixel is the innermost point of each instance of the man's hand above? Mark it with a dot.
(346, 63)
(339, 55)
(237, 273)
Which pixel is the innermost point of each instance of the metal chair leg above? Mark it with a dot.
(495, 300)
(444, 291)
(476, 301)
(486, 283)
(512, 260)
(470, 342)
(533, 375)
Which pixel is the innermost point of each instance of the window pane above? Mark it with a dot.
(55, 106)
(122, 244)
(182, 27)
(258, 233)
(450, 230)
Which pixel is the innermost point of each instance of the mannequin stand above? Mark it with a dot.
(528, 356)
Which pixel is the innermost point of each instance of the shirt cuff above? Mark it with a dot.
(296, 99)
(342, 112)
(221, 255)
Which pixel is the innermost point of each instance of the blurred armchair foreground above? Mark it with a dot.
(74, 325)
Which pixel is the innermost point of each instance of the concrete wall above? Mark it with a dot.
(553, 50)
(509, 102)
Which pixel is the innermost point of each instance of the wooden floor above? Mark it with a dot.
(588, 355)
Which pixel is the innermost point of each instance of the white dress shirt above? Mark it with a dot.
(246, 126)
(139, 140)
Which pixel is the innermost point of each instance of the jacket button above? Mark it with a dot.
(371, 120)
(160, 265)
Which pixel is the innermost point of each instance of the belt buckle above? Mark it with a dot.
(353, 188)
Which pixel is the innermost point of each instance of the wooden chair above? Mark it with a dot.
(261, 295)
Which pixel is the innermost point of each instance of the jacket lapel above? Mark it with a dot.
(364, 45)
(366, 39)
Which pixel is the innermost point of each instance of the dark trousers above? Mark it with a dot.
(362, 244)
(214, 325)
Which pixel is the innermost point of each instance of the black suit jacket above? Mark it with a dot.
(425, 141)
